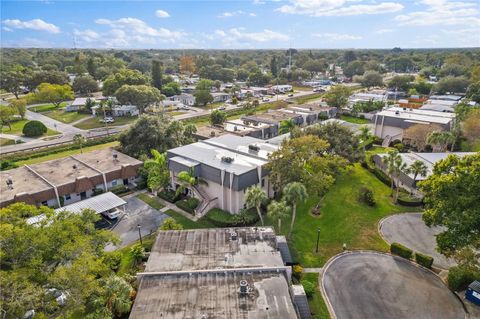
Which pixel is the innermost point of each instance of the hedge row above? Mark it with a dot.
(409, 203)
(189, 204)
(400, 250)
(169, 195)
(381, 176)
(221, 218)
(118, 189)
(424, 260)
(459, 277)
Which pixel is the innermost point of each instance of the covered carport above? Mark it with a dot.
(100, 204)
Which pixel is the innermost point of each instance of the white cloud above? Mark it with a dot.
(138, 27)
(468, 36)
(337, 36)
(320, 8)
(162, 14)
(7, 29)
(239, 37)
(383, 31)
(86, 35)
(35, 24)
(229, 14)
(442, 12)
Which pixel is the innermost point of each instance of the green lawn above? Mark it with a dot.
(17, 128)
(175, 113)
(317, 306)
(353, 119)
(94, 122)
(66, 153)
(47, 107)
(308, 98)
(65, 117)
(6, 141)
(343, 219)
(184, 221)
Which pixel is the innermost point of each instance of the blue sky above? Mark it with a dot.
(247, 24)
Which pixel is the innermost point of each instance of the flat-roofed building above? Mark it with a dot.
(391, 123)
(244, 127)
(229, 164)
(274, 118)
(67, 180)
(217, 273)
(407, 179)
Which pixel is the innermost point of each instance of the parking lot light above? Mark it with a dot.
(140, 234)
(318, 238)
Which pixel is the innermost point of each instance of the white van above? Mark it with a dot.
(112, 213)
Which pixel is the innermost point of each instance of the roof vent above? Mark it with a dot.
(397, 113)
(9, 182)
(253, 147)
(115, 156)
(227, 159)
(74, 166)
(243, 287)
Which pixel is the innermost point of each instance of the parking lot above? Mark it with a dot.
(375, 285)
(137, 212)
(410, 231)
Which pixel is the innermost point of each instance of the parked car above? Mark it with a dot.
(185, 108)
(112, 213)
(265, 99)
(290, 95)
(107, 120)
(222, 108)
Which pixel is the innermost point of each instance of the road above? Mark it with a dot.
(410, 230)
(361, 285)
(68, 131)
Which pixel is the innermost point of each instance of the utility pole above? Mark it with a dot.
(318, 238)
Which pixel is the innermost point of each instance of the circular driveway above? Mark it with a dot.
(410, 231)
(363, 285)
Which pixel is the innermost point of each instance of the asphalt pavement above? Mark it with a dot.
(410, 231)
(361, 285)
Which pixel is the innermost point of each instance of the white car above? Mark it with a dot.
(265, 99)
(222, 108)
(107, 120)
(112, 213)
(290, 95)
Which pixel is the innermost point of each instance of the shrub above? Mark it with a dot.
(221, 218)
(118, 189)
(188, 204)
(34, 129)
(309, 288)
(297, 272)
(169, 195)
(399, 146)
(459, 277)
(141, 184)
(405, 199)
(113, 259)
(366, 196)
(97, 191)
(381, 176)
(138, 253)
(424, 260)
(400, 250)
(7, 164)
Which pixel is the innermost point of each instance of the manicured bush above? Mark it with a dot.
(97, 191)
(409, 201)
(118, 189)
(141, 184)
(221, 218)
(113, 259)
(188, 204)
(34, 129)
(459, 277)
(381, 176)
(366, 196)
(297, 272)
(169, 195)
(400, 250)
(399, 146)
(309, 288)
(7, 164)
(424, 260)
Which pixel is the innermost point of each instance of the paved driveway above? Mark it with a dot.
(137, 212)
(410, 231)
(363, 285)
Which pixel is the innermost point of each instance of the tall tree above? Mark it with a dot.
(53, 93)
(141, 96)
(395, 166)
(20, 105)
(115, 81)
(278, 210)
(451, 197)
(186, 181)
(274, 66)
(85, 84)
(286, 126)
(294, 193)
(157, 170)
(217, 117)
(80, 140)
(115, 296)
(417, 135)
(372, 78)
(338, 96)
(6, 115)
(440, 140)
(91, 68)
(254, 197)
(157, 74)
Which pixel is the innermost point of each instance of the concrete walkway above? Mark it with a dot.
(53, 124)
(174, 207)
(312, 270)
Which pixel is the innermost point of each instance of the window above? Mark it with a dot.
(68, 197)
(45, 203)
(114, 183)
(263, 182)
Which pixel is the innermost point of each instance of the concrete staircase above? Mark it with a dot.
(205, 201)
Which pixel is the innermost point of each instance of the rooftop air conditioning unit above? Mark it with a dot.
(243, 287)
(253, 147)
(227, 159)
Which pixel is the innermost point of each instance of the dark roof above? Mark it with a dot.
(475, 286)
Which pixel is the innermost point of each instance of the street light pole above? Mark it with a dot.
(140, 234)
(318, 238)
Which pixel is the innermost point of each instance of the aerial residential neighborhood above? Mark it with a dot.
(240, 159)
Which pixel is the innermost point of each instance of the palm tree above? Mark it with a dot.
(294, 193)
(116, 295)
(278, 211)
(158, 174)
(79, 139)
(389, 161)
(254, 197)
(440, 140)
(186, 181)
(286, 126)
(364, 134)
(417, 168)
